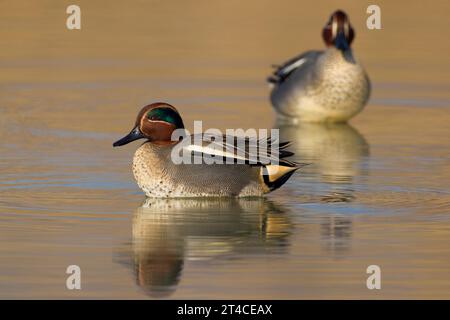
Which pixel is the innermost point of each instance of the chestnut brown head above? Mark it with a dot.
(338, 31)
(155, 122)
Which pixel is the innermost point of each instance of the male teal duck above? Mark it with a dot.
(322, 86)
(158, 175)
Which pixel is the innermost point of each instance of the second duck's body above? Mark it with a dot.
(322, 86)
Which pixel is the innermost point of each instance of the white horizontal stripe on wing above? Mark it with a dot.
(213, 151)
(294, 65)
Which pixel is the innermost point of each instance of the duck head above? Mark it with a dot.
(338, 31)
(156, 123)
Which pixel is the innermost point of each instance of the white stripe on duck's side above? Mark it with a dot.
(240, 150)
(296, 64)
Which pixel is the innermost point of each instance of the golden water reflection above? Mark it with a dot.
(166, 233)
(337, 154)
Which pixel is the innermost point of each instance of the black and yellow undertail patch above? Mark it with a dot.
(274, 178)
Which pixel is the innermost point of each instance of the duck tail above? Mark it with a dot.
(275, 175)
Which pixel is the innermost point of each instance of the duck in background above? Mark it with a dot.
(322, 86)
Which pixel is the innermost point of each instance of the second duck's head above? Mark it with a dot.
(338, 31)
(155, 122)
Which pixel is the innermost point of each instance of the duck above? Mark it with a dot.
(322, 86)
(159, 173)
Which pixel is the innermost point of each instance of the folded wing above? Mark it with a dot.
(240, 150)
(284, 71)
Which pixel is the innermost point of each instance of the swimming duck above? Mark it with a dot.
(158, 175)
(322, 86)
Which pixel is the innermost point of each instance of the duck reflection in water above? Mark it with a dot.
(169, 232)
(338, 154)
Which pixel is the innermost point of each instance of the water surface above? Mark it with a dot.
(377, 190)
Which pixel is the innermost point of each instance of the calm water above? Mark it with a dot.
(377, 191)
